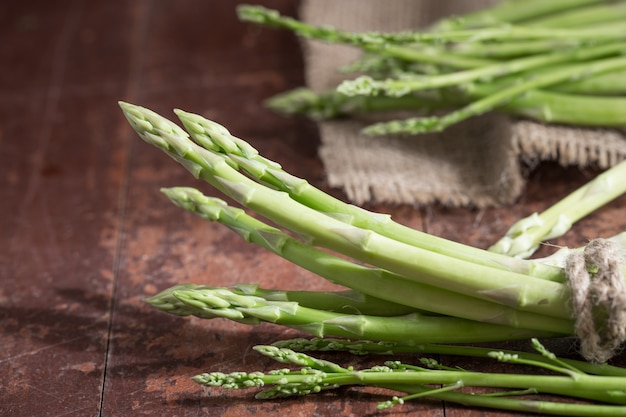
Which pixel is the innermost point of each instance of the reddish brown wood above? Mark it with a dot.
(85, 234)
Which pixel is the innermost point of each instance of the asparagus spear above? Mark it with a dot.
(513, 289)
(511, 11)
(366, 347)
(609, 84)
(510, 50)
(582, 43)
(580, 17)
(346, 301)
(372, 281)
(572, 109)
(209, 302)
(377, 41)
(241, 155)
(317, 375)
(483, 105)
(549, 106)
(365, 85)
(525, 236)
(214, 136)
(367, 42)
(331, 104)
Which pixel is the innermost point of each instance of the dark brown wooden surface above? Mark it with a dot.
(85, 235)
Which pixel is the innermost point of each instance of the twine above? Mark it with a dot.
(598, 298)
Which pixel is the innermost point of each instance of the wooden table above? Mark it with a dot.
(86, 236)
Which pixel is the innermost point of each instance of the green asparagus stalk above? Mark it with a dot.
(511, 11)
(331, 104)
(346, 301)
(367, 42)
(559, 258)
(525, 236)
(491, 284)
(317, 375)
(367, 280)
(609, 84)
(365, 85)
(549, 106)
(578, 17)
(240, 154)
(510, 50)
(520, 405)
(582, 29)
(571, 109)
(563, 37)
(387, 44)
(373, 40)
(483, 105)
(208, 302)
(214, 136)
(367, 347)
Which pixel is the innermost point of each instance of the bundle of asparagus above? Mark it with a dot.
(573, 378)
(560, 62)
(433, 290)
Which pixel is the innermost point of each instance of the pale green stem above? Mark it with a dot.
(317, 375)
(548, 106)
(208, 302)
(541, 407)
(579, 385)
(511, 11)
(365, 41)
(213, 136)
(482, 105)
(559, 258)
(525, 236)
(367, 280)
(363, 347)
(583, 17)
(512, 289)
(347, 301)
(573, 109)
(610, 83)
(576, 57)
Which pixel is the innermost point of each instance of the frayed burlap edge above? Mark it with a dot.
(600, 148)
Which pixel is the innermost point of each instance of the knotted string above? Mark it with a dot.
(598, 299)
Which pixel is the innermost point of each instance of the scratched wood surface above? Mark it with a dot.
(85, 235)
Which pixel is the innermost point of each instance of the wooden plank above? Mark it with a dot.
(62, 175)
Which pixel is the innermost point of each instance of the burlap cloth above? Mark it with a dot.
(476, 163)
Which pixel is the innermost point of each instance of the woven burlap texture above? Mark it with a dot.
(476, 163)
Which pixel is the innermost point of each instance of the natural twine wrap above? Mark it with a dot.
(598, 299)
(476, 163)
